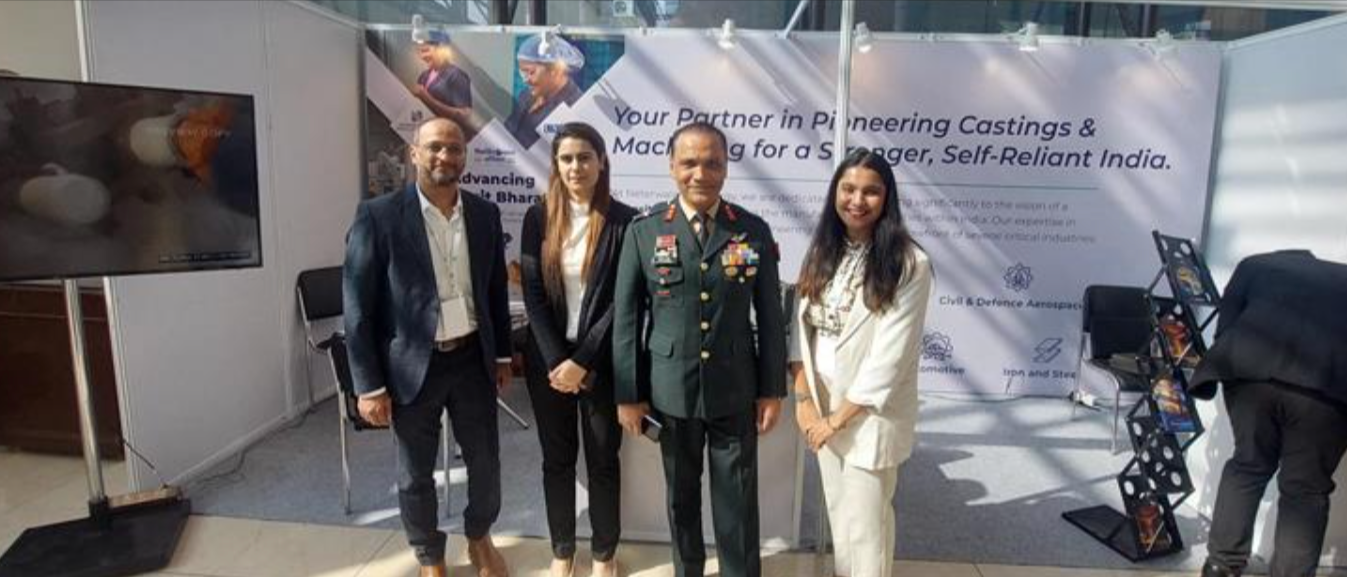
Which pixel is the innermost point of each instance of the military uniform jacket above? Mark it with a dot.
(684, 335)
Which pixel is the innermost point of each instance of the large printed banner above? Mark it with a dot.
(1025, 175)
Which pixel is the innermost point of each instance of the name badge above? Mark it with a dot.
(454, 314)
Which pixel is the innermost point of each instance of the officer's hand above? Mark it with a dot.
(568, 377)
(768, 412)
(629, 415)
(504, 374)
(378, 411)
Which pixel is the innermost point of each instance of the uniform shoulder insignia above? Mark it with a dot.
(650, 210)
(731, 213)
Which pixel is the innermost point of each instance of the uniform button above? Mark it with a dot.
(705, 266)
(706, 326)
(706, 355)
(663, 281)
(706, 296)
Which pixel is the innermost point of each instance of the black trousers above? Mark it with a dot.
(1277, 427)
(456, 380)
(559, 416)
(731, 445)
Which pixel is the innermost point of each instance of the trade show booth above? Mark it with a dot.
(1028, 168)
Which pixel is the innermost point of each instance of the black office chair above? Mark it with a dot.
(1117, 324)
(320, 298)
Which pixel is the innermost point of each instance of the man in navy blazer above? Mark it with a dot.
(1281, 352)
(428, 329)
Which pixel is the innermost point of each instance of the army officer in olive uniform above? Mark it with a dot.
(695, 275)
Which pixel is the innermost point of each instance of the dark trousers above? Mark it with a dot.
(456, 380)
(731, 444)
(558, 416)
(1277, 427)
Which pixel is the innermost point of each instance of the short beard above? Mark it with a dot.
(441, 180)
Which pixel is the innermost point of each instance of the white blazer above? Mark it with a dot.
(877, 356)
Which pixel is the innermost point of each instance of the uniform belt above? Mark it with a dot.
(456, 343)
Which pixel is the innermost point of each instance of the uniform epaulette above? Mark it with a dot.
(651, 210)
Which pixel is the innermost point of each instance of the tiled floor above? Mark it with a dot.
(36, 490)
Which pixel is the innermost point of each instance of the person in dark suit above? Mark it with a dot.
(444, 88)
(428, 329)
(569, 250)
(698, 336)
(1281, 352)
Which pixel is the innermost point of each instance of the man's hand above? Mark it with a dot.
(568, 377)
(378, 411)
(503, 376)
(768, 412)
(630, 415)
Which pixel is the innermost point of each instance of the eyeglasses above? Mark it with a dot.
(437, 148)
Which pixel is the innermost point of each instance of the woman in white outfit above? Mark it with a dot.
(862, 293)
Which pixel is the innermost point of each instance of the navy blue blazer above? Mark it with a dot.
(1283, 318)
(391, 306)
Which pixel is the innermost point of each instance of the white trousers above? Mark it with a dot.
(860, 513)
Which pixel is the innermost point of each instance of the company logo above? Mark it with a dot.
(1018, 277)
(1048, 349)
(491, 154)
(936, 346)
(417, 116)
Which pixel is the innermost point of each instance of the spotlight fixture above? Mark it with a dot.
(1027, 37)
(420, 34)
(1163, 43)
(863, 40)
(727, 37)
(545, 45)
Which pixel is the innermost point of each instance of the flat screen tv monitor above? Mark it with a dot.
(107, 180)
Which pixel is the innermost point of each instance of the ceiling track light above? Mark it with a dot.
(420, 34)
(727, 36)
(863, 39)
(1163, 43)
(1027, 37)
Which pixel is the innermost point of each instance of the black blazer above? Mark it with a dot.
(547, 312)
(1283, 318)
(390, 299)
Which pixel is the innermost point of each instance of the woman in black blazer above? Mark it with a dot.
(569, 250)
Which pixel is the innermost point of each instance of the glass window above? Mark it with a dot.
(1096, 19)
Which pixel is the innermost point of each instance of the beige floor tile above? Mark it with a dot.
(525, 557)
(28, 476)
(934, 569)
(225, 547)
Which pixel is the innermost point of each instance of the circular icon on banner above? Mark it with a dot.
(1018, 277)
(936, 346)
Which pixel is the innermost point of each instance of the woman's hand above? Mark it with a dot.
(568, 377)
(820, 433)
(805, 416)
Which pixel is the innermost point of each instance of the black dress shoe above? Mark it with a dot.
(1212, 569)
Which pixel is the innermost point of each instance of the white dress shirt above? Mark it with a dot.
(449, 258)
(573, 253)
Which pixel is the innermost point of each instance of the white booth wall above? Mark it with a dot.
(39, 39)
(1280, 181)
(210, 362)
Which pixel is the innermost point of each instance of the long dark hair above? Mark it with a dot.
(557, 206)
(892, 248)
